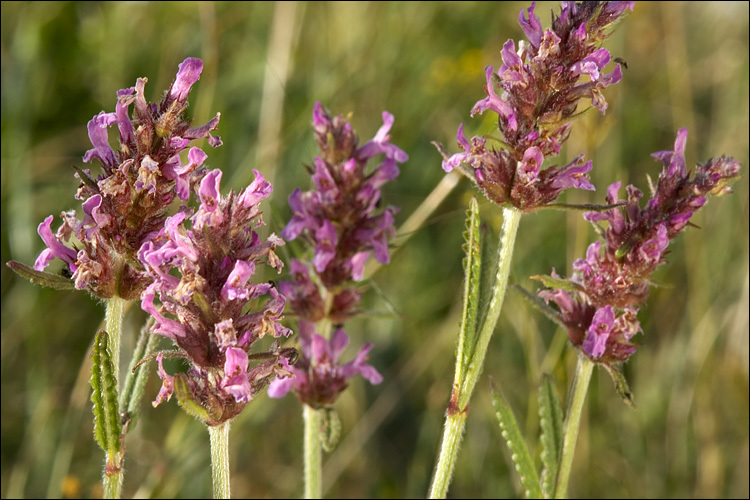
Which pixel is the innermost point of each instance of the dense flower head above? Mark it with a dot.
(536, 92)
(127, 203)
(210, 306)
(317, 378)
(340, 218)
(600, 302)
(342, 224)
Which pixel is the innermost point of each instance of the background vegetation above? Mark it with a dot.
(265, 66)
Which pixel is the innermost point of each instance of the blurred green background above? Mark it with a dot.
(265, 66)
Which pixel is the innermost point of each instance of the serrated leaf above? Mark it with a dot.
(490, 256)
(559, 283)
(107, 425)
(621, 385)
(135, 381)
(50, 280)
(472, 275)
(551, 422)
(519, 451)
(330, 428)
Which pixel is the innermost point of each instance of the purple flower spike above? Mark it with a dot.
(340, 218)
(203, 268)
(536, 92)
(342, 223)
(146, 168)
(612, 281)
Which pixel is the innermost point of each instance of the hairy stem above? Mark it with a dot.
(313, 454)
(220, 459)
(465, 383)
(572, 422)
(454, 428)
(113, 325)
(113, 476)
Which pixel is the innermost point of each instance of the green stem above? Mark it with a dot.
(220, 459)
(456, 417)
(113, 324)
(113, 317)
(312, 447)
(113, 476)
(313, 454)
(454, 427)
(572, 422)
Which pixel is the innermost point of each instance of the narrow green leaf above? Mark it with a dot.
(107, 425)
(517, 446)
(490, 254)
(96, 398)
(472, 274)
(621, 385)
(551, 421)
(50, 280)
(135, 380)
(559, 283)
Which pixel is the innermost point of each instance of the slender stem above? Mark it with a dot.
(312, 446)
(220, 459)
(313, 454)
(454, 427)
(113, 324)
(113, 476)
(465, 383)
(572, 422)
